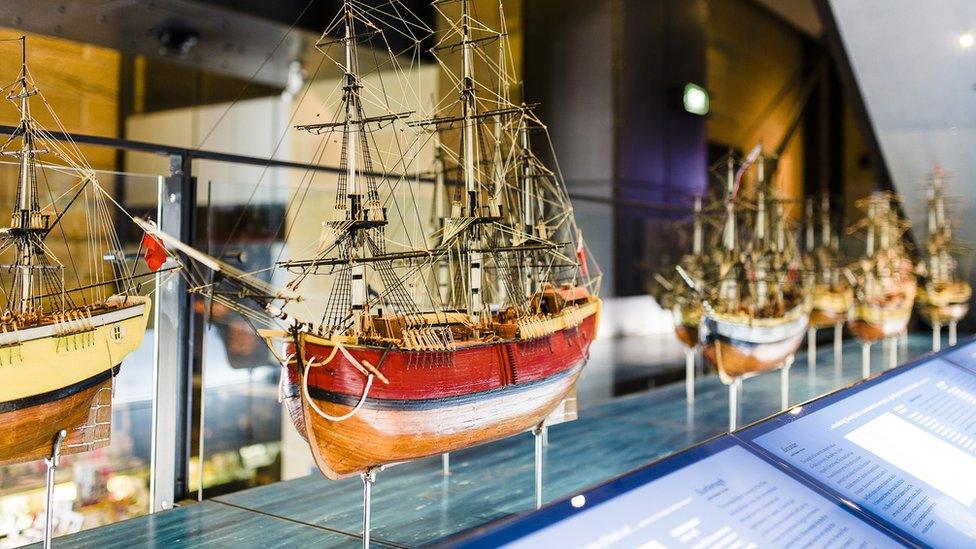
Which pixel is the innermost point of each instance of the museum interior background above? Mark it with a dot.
(837, 94)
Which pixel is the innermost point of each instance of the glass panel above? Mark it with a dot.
(110, 483)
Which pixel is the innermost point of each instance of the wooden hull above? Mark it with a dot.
(434, 402)
(943, 314)
(944, 304)
(870, 323)
(84, 411)
(688, 335)
(830, 306)
(59, 375)
(820, 318)
(686, 322)
(738, 349)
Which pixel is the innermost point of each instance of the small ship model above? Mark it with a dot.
(676, 296)
(60, 347)
(417, 351)
(755, 307)
(884, 279)
(831, 293)
(943, 297)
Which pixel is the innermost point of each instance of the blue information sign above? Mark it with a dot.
(902, 448)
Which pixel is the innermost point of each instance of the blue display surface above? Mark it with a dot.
(719, 494)
(901, 447)
(963, 355)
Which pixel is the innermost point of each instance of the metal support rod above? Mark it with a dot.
(892, 353)
(735, 388)
(537, 433)
(903, 343)
(936, 336)
(446, 464)
(369, 477)
(178, 341)
(812, 351)
(690, 374)
(865, 359)
(52, 465)
(784, 383)
(839, 347)
(952, 333)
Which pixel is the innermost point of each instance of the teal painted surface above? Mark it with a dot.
(414, 503)
(207, 524)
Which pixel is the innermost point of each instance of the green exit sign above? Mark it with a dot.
(695, 99)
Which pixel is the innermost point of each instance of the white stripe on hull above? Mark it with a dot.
(469, 416)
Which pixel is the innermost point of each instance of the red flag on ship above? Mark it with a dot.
(581, 255)
(155, 254)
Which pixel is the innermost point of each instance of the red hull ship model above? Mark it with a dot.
(474, 331)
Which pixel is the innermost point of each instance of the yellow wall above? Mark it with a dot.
(80, 81)
(751, 57)
(81, 85)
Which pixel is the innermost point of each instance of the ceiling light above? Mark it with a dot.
(967, 40)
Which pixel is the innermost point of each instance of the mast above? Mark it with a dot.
(810, 227)
(357, 293)
(696, 236)
(826, 234)
(438, 213)
(26, 215)
(528, 207)
(469, 137)
(728, 235)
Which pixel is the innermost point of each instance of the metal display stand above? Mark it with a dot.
(446, 464)
(838, 348)
(784, 383)
(369, 477)
(52, 465)
(690, 374)
(937, 337)
(812, 351)
(538, 433)
(865, 359)
(952, 332)
(735, 390)
(892, 352)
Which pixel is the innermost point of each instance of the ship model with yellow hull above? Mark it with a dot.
(755, 307)
(884, 279)
(943, 297)
(60, 348)
(473, 331)
(831, 293)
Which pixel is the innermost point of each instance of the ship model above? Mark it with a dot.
(755, 304)
(943, 297)
(475, 332)
(679, 298)
(831, 293)
(60, 347)
(884, 279)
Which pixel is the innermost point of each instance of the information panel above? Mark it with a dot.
(729, 498)
(964, 355)
(903, 449)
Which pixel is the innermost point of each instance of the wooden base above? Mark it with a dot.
(29, 432)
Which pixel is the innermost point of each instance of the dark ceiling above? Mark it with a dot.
(229, 37)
